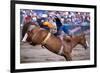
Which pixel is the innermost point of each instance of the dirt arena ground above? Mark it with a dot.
(31, 54)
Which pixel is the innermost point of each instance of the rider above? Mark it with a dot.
(64, 32)
(65, 29)
(58, 24)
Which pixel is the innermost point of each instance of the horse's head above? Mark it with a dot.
(83, 41)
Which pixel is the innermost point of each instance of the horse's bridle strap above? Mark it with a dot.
(47, 37)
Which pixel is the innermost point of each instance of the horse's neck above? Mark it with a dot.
(74, 42)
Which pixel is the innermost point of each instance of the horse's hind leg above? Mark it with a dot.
(67, 57)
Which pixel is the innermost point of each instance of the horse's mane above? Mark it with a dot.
(68, 40)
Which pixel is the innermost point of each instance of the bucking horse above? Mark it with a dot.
(63, 47)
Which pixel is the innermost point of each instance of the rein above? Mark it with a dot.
(47, 37)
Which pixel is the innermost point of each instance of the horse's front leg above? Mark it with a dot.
(67, 56)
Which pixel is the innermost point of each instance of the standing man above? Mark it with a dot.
(28, 26)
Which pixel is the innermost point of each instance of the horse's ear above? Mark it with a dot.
(83, 34)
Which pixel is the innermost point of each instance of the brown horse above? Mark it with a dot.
(63, 47)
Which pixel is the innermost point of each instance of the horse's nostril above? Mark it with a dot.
(86, 47)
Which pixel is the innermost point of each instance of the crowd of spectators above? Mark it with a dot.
(66, 17)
